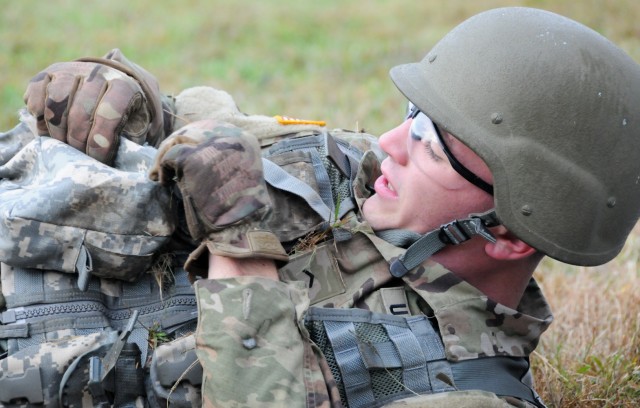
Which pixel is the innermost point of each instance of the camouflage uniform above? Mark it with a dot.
(254, 344)
(256, 349)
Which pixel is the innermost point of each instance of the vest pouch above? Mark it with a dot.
(326, 282)
(377, 358)
(62, 210)
(34, 374)
(175, 374)
(292, 218)
(313, 174)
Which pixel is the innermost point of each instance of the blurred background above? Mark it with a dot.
(329, 60)
(324, 59)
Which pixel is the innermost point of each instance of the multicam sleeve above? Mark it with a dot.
(253, 346)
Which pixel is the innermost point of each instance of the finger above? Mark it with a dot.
(229, 169)
(59, 94)
(82, 111)
(177, 138)
(120, 98)
(34, 98)
(169, 163)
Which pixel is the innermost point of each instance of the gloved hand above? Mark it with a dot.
(90, 102)
(218, 171)
(191, 134)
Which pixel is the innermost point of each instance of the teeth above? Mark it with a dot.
(390, 187)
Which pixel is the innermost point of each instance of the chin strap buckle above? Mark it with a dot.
(453, 233)
(459, 231)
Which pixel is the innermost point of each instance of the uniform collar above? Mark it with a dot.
(471, 324)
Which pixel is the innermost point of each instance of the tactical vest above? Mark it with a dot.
(66, 345)
(374, 358)
(378, 358)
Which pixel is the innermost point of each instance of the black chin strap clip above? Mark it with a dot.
(459, 231)
(453, 233)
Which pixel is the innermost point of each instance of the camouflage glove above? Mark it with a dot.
(218, 171)
(191, 134)
(90, 102)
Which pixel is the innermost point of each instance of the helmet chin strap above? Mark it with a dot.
(422, 247)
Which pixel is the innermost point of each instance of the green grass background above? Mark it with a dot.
(329, 59)
(316, 59)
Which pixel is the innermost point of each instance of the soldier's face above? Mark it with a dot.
(418, 189)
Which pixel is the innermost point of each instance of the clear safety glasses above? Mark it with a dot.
(427, 133)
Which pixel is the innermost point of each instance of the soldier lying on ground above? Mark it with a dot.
(327, 275)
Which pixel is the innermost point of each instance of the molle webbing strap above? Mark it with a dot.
(412, 346)
(418, 252)
(355, 377)
(110, 359)
(369, 349)
(322, 178)
(399, 237)
(280, 179)
(334, 164)
(31, 286)
(414, 362)
(109, 355)
(310, 144)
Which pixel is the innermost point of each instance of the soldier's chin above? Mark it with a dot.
(375, 213)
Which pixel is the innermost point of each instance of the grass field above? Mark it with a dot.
(329, 60)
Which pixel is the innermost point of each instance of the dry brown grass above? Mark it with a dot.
(590, 357)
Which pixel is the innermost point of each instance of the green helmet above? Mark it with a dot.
(553, 108)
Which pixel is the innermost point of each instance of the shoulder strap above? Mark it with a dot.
(280, 179)
(501, 375)
(324, 152)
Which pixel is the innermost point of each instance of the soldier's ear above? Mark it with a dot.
(507, 247)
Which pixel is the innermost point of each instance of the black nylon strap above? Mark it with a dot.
(499, 375)
(453, 233)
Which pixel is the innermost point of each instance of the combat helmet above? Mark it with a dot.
(553, 108)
